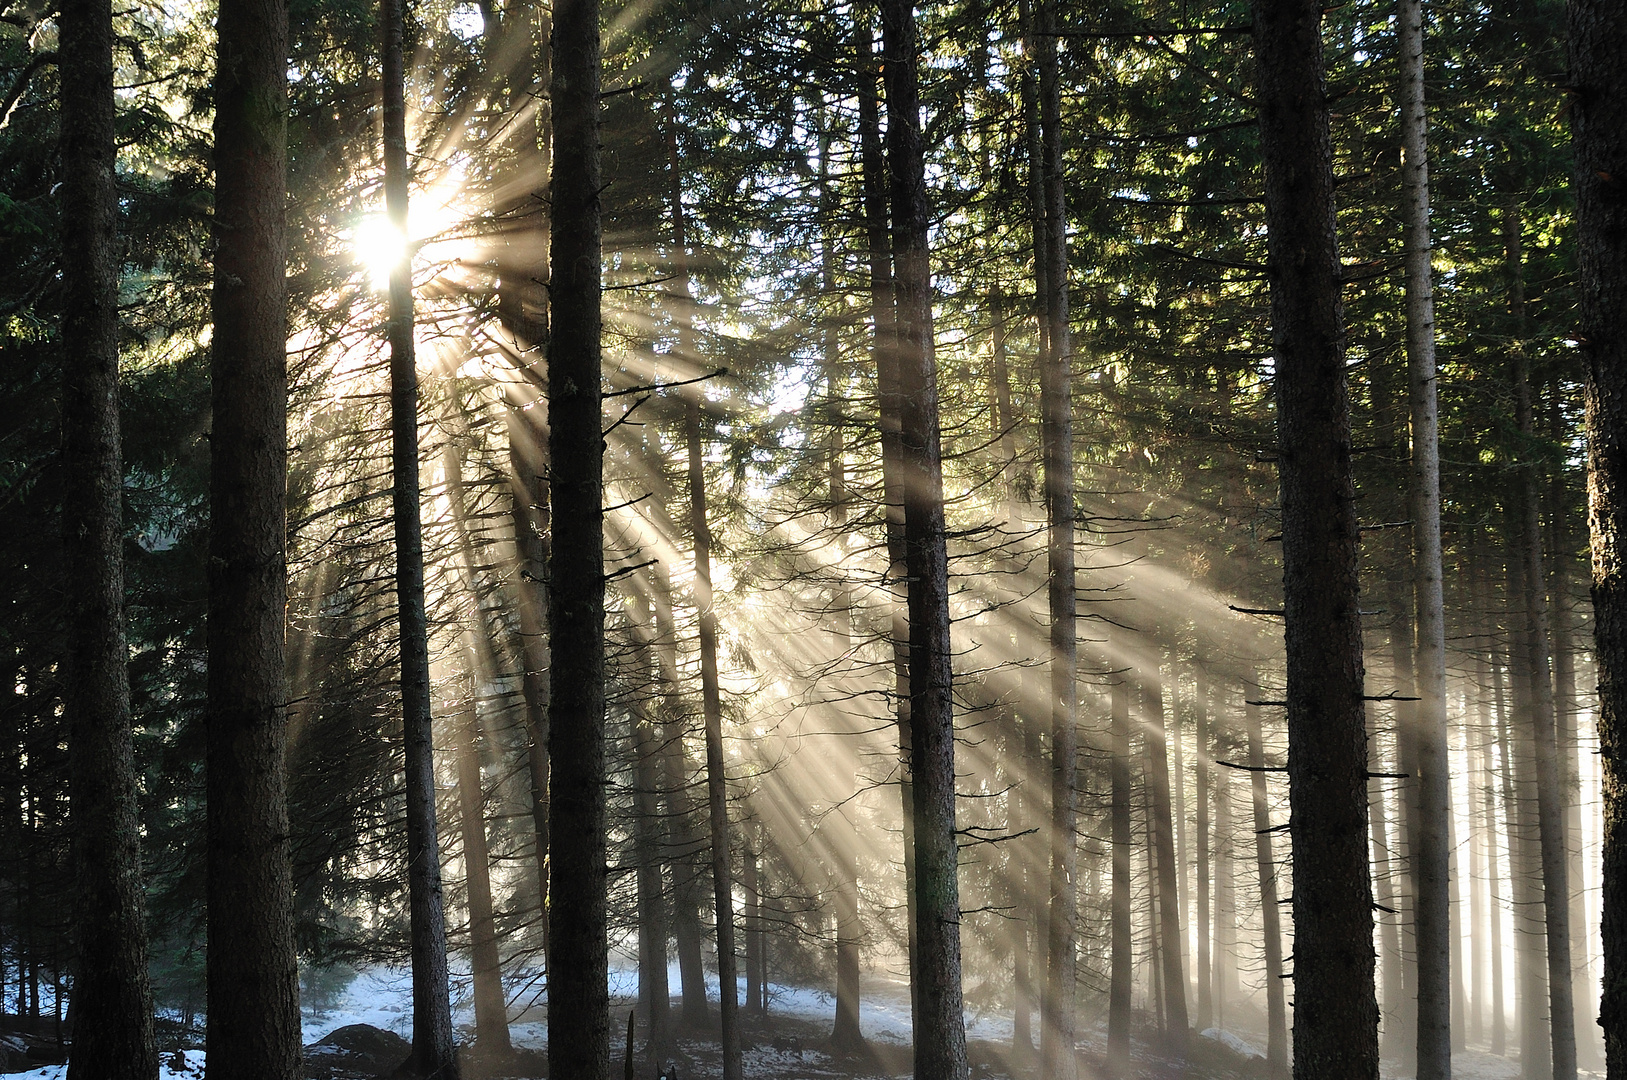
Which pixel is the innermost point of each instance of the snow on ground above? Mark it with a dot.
(382, 997)
(189, 1066)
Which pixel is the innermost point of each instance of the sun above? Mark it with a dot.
(378, 247)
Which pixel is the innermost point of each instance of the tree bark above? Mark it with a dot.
(752, 925)
(528, 494)
(1058, 1013)
(578, 962)
(654, 992)
(717, 796)
(1163, 831)
(1225, 887)
(1206, 996)
(1122, 971)
(1525, 897)
(1487, 835)
(113, 1002)
(1385, 855)
(682, 844)
(252, 973)
(1276, 1054)
(884, 319)
(1335, 1012)
(491, 1007)
(434, 1051)
(253, 1026)
(1432, 919)
(1539, 665)
(939, 1021)
(491, 1003)
(1598, 76)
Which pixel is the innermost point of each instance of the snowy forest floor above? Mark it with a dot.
(790, 1043)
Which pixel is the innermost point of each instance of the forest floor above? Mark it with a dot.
(791, 1043)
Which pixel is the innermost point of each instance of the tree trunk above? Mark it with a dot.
(1432, 920)
(1538, 655)
(1598, 73)
(1276, 1054)
(253, 983)
(1385, 856)
(717, 796)
(939, 1022)
(1498, 1019)
(1163, 831)
(1155, 952)
(1019, 871)
(1335, 1012)
(434, 1051)
(528, 492)
(1561, 552)
(654, 992)
(491, 1007)
(1201, 751)
(578, 961)
(751, 884)
(1058, 1013)
(1225, 885)
(1525, 899)
(846, 1035)
(885, 354)
(682, 844)
(491, 1004)
(113, 1003)
(1122, 971)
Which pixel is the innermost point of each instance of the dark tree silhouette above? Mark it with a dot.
(1598, 78)
(578, 961)
(1335, 1012)
(253, 1007)
(113, 1005)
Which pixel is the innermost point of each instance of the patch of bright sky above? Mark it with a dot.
(466, 22)
(790, 391)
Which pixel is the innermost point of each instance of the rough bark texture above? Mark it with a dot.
(434, 1050)
(939, 1023)
(112, 1000)
(1432, 921)
(1058, 1012)
(1335, 1012)
(253, 1004)
(1598, 75)
(1276, 1054)
(578, 963)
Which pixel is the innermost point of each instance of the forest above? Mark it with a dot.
(695, 538)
